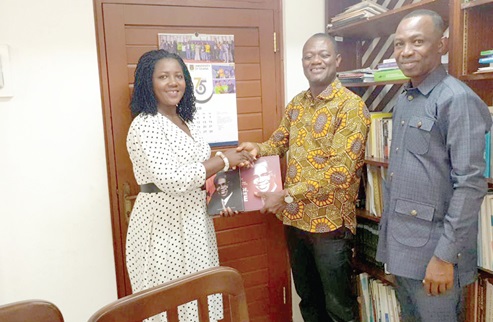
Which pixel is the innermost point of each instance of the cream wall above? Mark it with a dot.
(301, 20)
(55, 230)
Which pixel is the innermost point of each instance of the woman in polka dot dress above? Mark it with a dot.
(169, 234)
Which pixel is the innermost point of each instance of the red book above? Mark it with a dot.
(264, 176)
(236, 188)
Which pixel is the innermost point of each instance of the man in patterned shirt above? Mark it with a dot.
(324, 130)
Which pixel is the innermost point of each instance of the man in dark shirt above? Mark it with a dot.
(435, 184)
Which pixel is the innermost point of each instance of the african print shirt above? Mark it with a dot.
(325, 137)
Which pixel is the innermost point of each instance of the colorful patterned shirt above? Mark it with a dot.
(325, 137)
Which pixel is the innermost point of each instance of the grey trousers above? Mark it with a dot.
(418, 306)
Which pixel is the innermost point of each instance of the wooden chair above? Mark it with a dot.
(30, 310)
(168, 296)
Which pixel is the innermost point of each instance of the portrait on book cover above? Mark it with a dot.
(264, 176)
(224, 190)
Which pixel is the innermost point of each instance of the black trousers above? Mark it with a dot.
(322, 274)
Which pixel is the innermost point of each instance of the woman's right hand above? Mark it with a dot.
(239, 158)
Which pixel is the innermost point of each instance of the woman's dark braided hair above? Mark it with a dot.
(143, 98)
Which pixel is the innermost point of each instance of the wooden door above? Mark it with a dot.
(252, 243)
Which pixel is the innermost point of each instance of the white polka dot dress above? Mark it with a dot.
(170, 234)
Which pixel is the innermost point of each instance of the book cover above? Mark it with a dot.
(236, 188)
(487, 154)
(374, 137)
(224, 190)
(486, 59)
(387, 136)
(264, 176)
(487, 52)
(388, 75)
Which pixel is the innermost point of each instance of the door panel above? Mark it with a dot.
(252, 243)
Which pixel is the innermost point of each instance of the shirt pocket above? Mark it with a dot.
(412, 223)
(419, 134)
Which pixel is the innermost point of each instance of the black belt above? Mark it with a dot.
(151, 188)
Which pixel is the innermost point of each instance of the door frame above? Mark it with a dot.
(116, 196)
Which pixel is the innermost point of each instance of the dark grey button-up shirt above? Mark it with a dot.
(435, 185)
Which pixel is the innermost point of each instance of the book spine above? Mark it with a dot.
(486, 60)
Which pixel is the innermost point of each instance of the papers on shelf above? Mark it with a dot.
(356, 75)
(360, 11)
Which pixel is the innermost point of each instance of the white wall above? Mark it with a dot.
(55, 229)
(301, 19)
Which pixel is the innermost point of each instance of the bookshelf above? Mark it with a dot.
(472, 4)
(364, 42)
(475, 35)
(377, 162)
(367, 84)
(378, 26)
(374, 271)
(474, 31)
(362, 213)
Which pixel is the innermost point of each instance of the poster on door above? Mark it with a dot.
(210, 60)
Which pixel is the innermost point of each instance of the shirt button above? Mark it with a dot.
(419, 124)
(414, 212)
(402, 123)
(396, 149)
(410, 98)
(459, 254)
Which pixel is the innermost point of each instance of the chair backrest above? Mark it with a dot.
(30, 310)
(168, 296)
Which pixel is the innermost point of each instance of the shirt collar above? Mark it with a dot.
(328, 93)
(429, 83)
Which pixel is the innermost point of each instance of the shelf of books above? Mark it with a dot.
(375, 271)
(476, 77)
(376, 294)
(379, 162)
(370, 27)
(490, 182)
(368, 84)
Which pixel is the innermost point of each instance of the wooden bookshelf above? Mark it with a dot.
(490, 182)
(384, 24)
(377, 162)
(475, 77)
(485, 270)
(475, 3)
(372, 270)
(362, 213)
(368, 84)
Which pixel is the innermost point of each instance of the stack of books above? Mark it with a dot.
(485, 234)
(379, 136)
(479, 306)
(366, 241)
(388, 71)
(360, 11)
(378, 301)
(356, 76)
(486, 57)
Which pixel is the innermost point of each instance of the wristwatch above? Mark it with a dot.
(287, 198)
